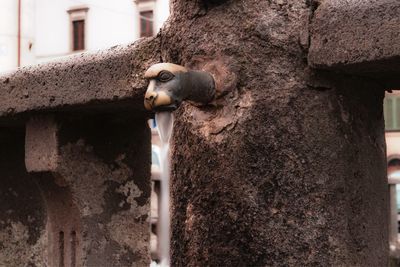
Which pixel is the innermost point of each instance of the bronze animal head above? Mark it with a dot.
(170, 84)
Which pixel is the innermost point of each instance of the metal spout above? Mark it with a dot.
(170, 84)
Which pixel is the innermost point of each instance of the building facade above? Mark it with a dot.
(35, 31)
(392, 136)
(17, 33)
(392, 127)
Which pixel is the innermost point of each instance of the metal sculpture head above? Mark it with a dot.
(170, 84)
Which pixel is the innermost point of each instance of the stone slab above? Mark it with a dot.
(41, 144)
(88, 79)
(356, 36)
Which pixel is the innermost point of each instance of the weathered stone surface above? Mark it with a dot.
(101, 191)
(90, 207)
(288, 169)
(109, 178)
(41, 144)
(356, 36)
(23, 234)
(112, 76)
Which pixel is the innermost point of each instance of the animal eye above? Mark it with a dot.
(165, 76)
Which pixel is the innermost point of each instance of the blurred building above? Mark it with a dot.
(155, 190)
(392, 130)
(392, 136)
(34, 31)
(17, 33)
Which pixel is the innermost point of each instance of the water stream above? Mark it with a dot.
(165, 122)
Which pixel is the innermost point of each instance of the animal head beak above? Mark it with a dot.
(149, 99)
(157, 100)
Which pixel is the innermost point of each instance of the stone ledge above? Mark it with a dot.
(88, 79)
(356, 36)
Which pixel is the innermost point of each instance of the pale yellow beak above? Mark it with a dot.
(153, 100)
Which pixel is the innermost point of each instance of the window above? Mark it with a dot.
(392, 112)
(77, 17)
(78, 35)
(146, 23)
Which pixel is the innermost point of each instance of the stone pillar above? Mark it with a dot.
(287, 168)
(94, 174)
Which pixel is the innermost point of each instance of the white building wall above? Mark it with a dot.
(111, 23)
(46, 27)
(28, 31)
(52, 29)
(107, 23)
(9, 33)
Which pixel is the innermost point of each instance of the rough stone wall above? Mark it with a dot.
(87, 204)
(105, 161)
(23, 235)
(287, 168)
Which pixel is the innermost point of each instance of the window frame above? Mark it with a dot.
(78, 28)
(146, 6)
(149, 31)
(77, 14)
(395, 116)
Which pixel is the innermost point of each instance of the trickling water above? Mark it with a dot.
(165, 122)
